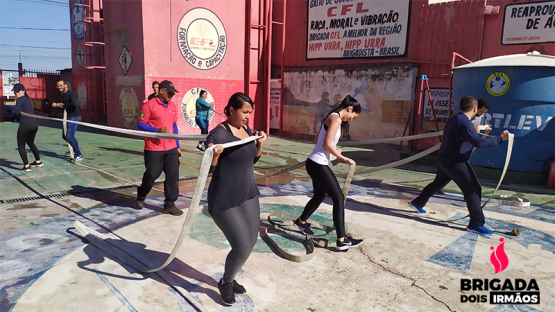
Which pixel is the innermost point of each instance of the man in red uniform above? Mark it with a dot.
(160, 115)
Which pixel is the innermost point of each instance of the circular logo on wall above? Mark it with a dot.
(498, 84)
(77, 13)
(82, 94)
(189, 106)
(128, 106)
(201, 38)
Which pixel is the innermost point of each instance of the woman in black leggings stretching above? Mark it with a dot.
(232, 194)
(323, 179)
(28, 128)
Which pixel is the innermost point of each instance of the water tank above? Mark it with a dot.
(521, 91)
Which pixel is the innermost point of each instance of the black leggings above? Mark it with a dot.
(324, 181)
(240, 227)
(26, 134)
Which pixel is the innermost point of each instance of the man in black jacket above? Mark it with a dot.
(70, 103)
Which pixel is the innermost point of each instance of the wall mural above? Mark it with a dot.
(128, 106)
(385, 94)
(77, 15)
(188, 106)
(201, 38)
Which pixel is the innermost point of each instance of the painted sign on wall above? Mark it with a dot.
(529, 23)
(188, 106)
(125, 60)
(77, 24)
(440, 98)
(128, 106)
(275, 101)
(384, 93)
(82, 95)
(357, 29)
(201, 38)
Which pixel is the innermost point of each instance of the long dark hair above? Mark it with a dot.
(347, 101)
(28, 97)
(237, 101)
(201, 93)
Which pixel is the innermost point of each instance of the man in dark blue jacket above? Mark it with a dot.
(459, 139)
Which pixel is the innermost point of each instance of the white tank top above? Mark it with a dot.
(319, 155)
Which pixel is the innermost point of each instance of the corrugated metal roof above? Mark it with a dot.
(530, 59)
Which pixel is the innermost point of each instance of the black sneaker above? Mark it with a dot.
(305, 228)
(26, 169)
(226, 292)
(200, 148)
(140, 202)
(348, 243)
(238, 289)
(36, 164)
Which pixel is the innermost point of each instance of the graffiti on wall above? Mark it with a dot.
(367, 29)
(385, 94)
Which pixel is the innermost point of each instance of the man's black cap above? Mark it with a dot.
(168, 85)
(18, 87)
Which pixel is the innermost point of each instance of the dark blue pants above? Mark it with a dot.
(203, 125)
(70, 138)
(465, 178)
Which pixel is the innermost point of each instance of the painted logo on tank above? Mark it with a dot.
(202, 38)
(498, 84)
(499, 258)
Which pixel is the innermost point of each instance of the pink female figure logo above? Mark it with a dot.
(499, 258)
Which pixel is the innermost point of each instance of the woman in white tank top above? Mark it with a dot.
(323, 179)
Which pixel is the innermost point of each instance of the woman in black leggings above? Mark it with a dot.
(232, 194)
(323, 179)
(28, 128)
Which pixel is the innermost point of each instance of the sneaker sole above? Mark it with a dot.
(41, 165)
(177, 215)
(414, 207)
(228, 304)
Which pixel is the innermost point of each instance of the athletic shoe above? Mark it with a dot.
(36, 164)
(226, 292)
(479, 230)
(68, 154)
(420, 210)
(200, 148)
(305, 228)
(348, 243)
(238, 289)
(173, 211)
(26, 169)
(440, 192)
(79, 158)
(140, 202)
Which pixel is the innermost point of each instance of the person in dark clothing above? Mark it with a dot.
(232, 193)
(70, 103)
(160, 115)
(483, 107)
(155, 88)
(323, 180)
(459, 139)
(201, 117)
(28, 128)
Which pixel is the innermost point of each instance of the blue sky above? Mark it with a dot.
(40, 49)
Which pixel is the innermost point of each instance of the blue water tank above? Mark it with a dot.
(521, 91)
